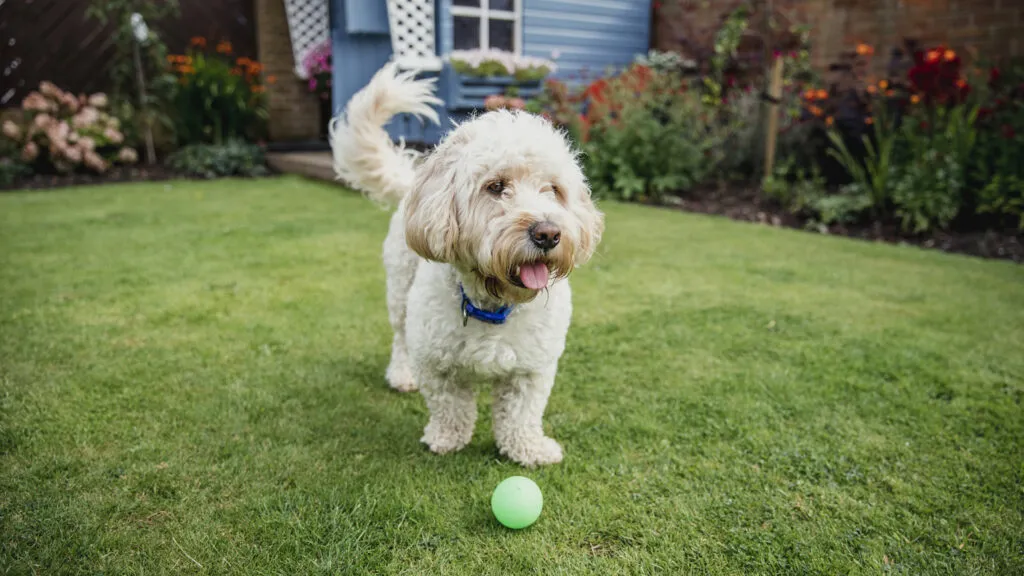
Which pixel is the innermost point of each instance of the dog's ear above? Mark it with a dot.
(431, 218)
(591, 221)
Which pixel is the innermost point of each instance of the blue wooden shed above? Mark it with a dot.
(583, 37)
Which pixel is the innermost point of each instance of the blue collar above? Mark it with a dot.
(498, 316)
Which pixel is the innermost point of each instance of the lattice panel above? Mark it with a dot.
(412, 33)
(308, 26)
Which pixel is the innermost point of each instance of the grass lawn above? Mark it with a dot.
(191, 381)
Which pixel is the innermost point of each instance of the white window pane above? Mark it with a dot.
(475, 3)
(466, 32)
(501, 34)
(502, 4)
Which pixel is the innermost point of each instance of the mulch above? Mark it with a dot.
(749, 205)
(118, 174)
(736, 202)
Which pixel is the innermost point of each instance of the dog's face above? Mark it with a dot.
(504, 197)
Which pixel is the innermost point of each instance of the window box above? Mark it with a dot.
(465, 92)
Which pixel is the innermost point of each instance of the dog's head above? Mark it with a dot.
(503, 197)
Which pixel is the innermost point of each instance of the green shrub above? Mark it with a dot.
(11, 170)
(647, 135)
(213, 160)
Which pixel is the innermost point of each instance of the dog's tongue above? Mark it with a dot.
(534, 276)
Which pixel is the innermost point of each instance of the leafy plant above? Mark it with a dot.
(11, 170)
(219, 99)
(873, 176)
(212, 161)
(488, 63)
(645, 135)
(58, 131)
(142, 87)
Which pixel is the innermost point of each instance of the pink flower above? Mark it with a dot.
(86, 117)
(36, 102)
(128, 155)
(71, 102)
(50, 89)
(73, 154)
(312, 84)
(99, 100)
(114, 136)
(43, 121)
(30, 152)
(87, 143)
(95, 162)
(516, 103)
(494, 102)
(12, 130)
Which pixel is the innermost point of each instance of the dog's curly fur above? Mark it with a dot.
(464, 216)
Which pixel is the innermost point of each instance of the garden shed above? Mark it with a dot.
(580, 37)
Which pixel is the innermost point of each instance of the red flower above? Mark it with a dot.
(994, 75)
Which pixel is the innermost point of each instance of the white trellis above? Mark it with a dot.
(308, 26)
(412, 34)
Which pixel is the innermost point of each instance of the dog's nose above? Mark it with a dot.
(545, 235)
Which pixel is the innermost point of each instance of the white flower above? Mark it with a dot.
(512, 62)
(139, 28)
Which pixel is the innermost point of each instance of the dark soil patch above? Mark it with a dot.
(749, 205)
(114, 175)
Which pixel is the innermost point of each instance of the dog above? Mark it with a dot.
(487, 229)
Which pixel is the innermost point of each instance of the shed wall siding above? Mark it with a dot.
(587, 36)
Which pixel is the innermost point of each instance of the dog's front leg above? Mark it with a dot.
(452, 406)
(518, 409)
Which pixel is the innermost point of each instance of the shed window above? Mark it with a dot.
(486, 24)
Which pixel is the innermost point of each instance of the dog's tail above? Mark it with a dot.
(364, 155)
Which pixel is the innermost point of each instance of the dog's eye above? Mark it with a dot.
(496, 187)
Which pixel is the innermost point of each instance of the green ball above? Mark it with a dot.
(517, 502)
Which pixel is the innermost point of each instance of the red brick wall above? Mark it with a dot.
(988, 28)
(294, 111)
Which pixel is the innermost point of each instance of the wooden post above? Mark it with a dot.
(144, 107)
(775, 94)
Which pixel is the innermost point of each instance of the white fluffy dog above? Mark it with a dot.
(497, 214)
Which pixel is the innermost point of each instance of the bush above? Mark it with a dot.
(58, 131)
(647, 134)
(219, 99)
(214, 161)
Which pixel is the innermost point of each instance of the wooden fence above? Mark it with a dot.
(54, 40)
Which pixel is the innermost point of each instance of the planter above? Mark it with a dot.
(469, 92)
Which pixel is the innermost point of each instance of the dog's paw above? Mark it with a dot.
(400, 379)
(537, 452)
(444, 441)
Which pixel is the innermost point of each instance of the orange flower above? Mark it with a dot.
(197, 41)
(809, 94)
(816, 111)
(243, 61)
(949, 55)
(869, 120)
(259, 89)
(829, 121)
(186, 69)
(883, 84)
(872, 90)
(255, 68)
(171, 58)
(890, 92)
(821, 94)
(865, 50)
(236, 71)
(224, 47)
(915, 99)
(932, 56)
(961, 83)
(271, 79)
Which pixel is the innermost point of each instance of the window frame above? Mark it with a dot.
(485, 14)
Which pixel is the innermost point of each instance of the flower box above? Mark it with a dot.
(469, 92)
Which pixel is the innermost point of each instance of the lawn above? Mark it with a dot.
(192, 382)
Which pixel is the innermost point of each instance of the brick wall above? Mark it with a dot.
(989, 28)
(294, 111)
